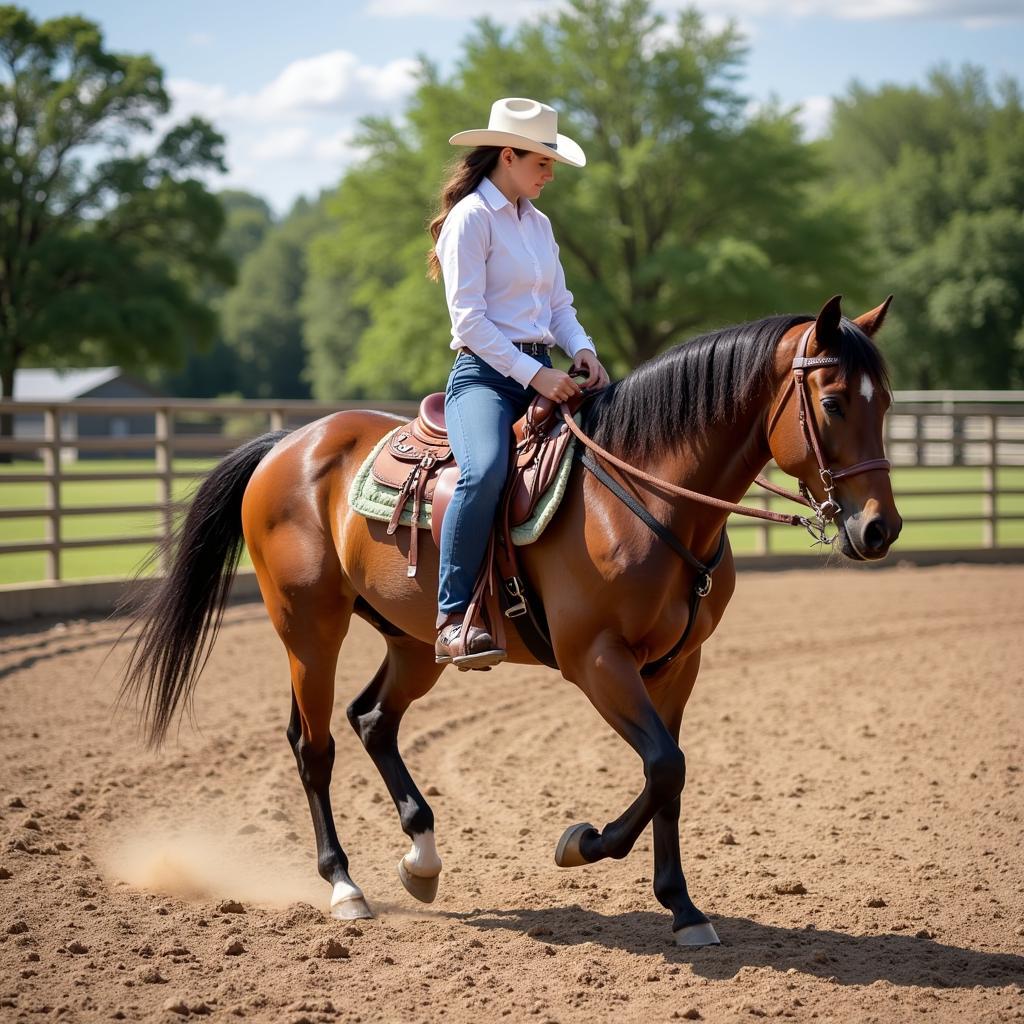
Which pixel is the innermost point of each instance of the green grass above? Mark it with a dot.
(120, 561)
(88, 562)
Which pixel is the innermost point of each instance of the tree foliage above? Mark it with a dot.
(103, 248)
(262, 318)
(692, 210)
(214, 369)
(937, 174)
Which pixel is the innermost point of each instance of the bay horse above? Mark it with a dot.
(708, 414)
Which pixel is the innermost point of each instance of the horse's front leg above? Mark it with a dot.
(609, 676)
(689, 926)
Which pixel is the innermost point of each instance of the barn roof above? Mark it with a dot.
(48, 385)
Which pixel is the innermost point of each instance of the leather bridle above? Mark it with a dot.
(826, 511)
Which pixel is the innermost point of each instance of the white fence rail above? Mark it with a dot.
(924, 430)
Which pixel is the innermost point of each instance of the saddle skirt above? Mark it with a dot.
(418, 462)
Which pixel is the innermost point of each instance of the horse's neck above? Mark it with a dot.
(722, 464)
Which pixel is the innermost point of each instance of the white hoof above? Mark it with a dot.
(351, 910)
(419, 887)
(697, 935)
(348, 903)
(567, 853)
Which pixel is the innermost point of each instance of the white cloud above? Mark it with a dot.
(814, 115)
(283, 144)
(293, 135)
(200, 39)
(335, 81)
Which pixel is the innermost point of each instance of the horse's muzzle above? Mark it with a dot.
(868, 538)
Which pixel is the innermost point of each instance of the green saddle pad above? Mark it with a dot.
(377, 501)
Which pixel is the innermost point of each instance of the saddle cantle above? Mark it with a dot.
(419, 463)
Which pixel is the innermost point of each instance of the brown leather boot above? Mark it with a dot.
(480, 650)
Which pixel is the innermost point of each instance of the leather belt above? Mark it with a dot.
(537, 349)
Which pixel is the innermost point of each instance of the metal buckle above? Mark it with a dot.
(515, 588)
(703, 588)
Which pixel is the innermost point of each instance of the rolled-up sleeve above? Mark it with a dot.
(462, 250)
(565, 328)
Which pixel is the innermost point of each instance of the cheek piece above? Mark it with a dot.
(827, 511)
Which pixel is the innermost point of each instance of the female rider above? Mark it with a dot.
(508, 303)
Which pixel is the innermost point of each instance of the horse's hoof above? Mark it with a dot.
(568, 853)
(422, 889)
(697, 935)
(353, 909)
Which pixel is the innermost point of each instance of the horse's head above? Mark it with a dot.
(825, 426)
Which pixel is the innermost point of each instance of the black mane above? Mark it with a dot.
(707, 380)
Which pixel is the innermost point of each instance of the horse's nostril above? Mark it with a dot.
(874, 535)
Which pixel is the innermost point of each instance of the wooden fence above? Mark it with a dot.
(923, 430)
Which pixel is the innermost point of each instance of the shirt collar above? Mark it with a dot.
(496, 198)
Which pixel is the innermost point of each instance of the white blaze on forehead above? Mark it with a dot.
(867, 389)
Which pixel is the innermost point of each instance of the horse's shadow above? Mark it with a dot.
(848, 959)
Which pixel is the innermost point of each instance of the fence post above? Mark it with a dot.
(957, 431)
(165, 485)
(990, 527)
(51, 464)
(277, 419)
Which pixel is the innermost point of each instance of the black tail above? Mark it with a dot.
(181, 613)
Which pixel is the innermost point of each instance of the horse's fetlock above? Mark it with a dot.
(330, 867)
(416, 818)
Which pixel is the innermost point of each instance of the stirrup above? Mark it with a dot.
(482, 660)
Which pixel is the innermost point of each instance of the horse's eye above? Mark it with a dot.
(832, 406)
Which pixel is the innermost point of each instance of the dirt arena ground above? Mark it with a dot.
(852, 823)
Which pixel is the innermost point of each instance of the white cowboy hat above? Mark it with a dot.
(524, 124)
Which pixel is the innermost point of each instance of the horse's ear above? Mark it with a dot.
(826, 327)
(871, 322)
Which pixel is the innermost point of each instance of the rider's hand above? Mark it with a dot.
(554, 384)
(587, 361)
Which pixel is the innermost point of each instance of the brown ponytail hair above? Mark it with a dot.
(465, 176)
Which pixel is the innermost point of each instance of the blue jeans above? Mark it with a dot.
(480, 406)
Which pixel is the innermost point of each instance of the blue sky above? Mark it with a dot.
(287, 82)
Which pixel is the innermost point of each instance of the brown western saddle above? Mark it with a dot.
(418, 461)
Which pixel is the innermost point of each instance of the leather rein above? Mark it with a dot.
(825, 512)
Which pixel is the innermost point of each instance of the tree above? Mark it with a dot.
(262, 320)
(102, 248)
(212, 370)
(937, 174)
(692, 211)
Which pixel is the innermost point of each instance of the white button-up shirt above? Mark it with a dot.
(504, 282)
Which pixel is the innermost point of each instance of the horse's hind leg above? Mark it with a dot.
(407, 673)
(689, 926)
(312, 626)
